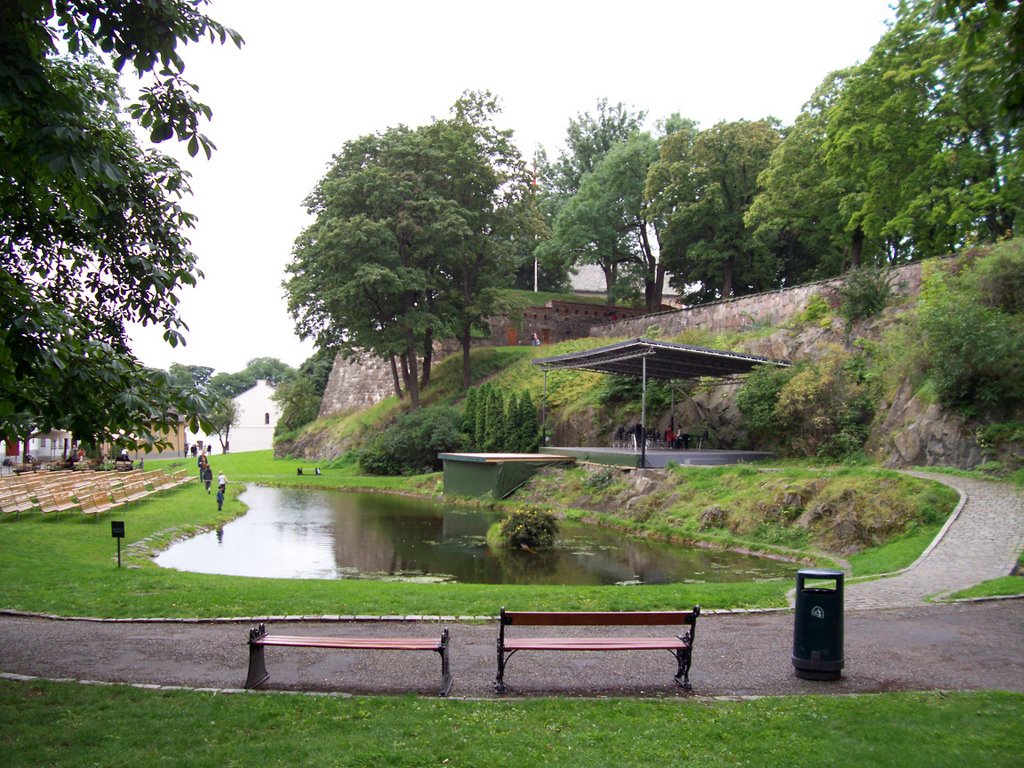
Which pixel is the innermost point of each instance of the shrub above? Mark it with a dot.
(864, 293)
(817, 310)
(758, 397)
(825, 408)
(529, 528)
(411, 444)
(600, 480)
(999, 277)
(974, 351)
(494, 422)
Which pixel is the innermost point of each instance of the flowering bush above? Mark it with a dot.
(529, 528)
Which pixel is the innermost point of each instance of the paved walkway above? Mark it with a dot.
(981, 541)
(948, 647)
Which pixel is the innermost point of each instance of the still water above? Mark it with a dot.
(312, 534)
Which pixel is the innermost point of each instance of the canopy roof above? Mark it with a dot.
(664, 360)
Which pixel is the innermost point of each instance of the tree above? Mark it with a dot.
(482, 174)
(223, 415)
(925, 159)
(977, 22)
(410, 239)
(91, 224)
(710, 182)
(363, 276)
(197, 376)
(270, 369)
(300, 395)
(608, 222)
(796, 211)
(469, 409)
(299, 402)
(588, 138)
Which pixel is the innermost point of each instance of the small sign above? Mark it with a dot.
(117, 529)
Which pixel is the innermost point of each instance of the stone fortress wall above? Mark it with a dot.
(355, 384)
(360, 383)
(770, 308)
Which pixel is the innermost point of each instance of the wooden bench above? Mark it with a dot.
(259, 640)
(95, 503)
(681, 645)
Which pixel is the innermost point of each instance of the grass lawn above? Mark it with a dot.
(68, 566)
(67, 724)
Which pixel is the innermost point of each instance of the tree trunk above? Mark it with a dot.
(394, 378)
(404, 359)
(413, 383)
(428, 357)
(610, 277)
(465, 339)
(856, 246)
(654, 281)
(727, 270)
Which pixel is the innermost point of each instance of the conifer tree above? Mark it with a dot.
(480, 424)
(494, 436)
(469, 412)
(527, 426)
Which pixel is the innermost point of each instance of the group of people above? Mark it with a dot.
(636, 436)
(206, 476)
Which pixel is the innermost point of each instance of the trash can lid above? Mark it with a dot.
(820, 573)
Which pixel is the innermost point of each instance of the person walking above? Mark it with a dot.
(220, 497)
(222, 482)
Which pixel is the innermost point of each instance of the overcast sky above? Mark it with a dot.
(315, 73)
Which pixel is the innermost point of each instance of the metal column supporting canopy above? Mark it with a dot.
(648, 358)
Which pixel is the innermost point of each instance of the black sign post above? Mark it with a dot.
(117, 531)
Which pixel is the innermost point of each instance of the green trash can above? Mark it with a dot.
(818, 625)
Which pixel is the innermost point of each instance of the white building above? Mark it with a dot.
(49, 446)
(257, 417)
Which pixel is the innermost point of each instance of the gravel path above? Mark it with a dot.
(962, 646)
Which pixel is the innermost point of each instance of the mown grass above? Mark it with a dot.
(68, 565)
(67, 724)
(889, 518)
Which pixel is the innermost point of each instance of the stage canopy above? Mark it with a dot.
(659, 360)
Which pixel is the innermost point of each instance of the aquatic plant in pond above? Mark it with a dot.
(529, 529)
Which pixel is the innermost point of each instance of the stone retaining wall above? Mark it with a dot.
(354, 384)
(772, 308)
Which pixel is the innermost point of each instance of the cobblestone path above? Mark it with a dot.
(981, 542)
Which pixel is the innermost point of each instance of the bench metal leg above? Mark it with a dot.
(683, 674)
(257, 664)
(446, 670)
(499, 680)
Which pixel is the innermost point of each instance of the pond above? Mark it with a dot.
(314, 534)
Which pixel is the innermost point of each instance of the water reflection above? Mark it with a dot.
(299, 533)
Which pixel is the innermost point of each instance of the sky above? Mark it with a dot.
(314, 74)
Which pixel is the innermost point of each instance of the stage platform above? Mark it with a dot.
(658, 458)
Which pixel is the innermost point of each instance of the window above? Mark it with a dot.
(266, 418)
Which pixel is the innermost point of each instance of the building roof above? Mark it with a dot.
(664, 360)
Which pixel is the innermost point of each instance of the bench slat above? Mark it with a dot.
(596, 618)
(352, 643)
(595, 644)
